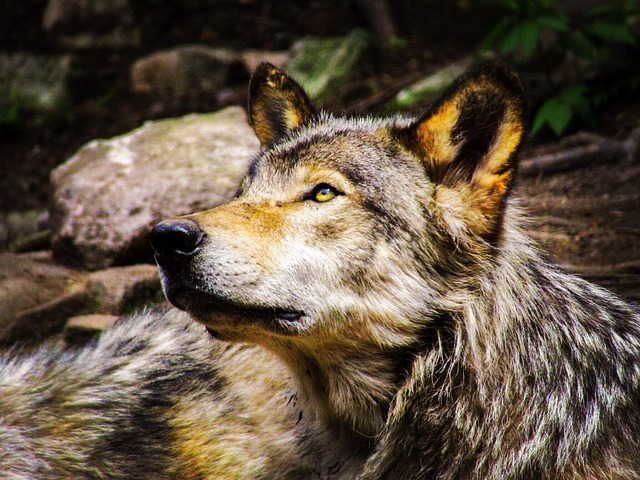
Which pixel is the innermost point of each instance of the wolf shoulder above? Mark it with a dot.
(154, 397)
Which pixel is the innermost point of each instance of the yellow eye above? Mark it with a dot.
(324, 193)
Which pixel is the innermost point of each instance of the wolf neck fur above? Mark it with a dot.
(553, 310)
(348, 391)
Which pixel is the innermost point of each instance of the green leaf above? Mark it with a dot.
(396, 43)
(523, 36)
(9, 114)
(574, 91)
(557, 111)
(601, 10)
(554, 113)
(513, 5)
(510, 41)
(530, 34)
(631, 8)
(581, 46)
(612, 32)
(497, 31)
(556, 22)
(575, 97)
(547, 4)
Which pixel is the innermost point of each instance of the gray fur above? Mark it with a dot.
(98, 412)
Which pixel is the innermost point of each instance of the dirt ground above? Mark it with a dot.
(587, 218)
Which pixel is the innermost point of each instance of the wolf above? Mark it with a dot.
(368, 306)
(384, 263)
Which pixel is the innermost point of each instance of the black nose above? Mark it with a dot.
(176, 239)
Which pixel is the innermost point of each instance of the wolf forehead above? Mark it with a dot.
(347, 145)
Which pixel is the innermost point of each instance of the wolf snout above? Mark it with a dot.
(175, 240)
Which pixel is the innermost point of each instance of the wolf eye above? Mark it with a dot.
(323, 193)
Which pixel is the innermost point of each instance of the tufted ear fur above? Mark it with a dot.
(468, 141)
(277, 104)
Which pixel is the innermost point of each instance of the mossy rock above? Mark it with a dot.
(324, 65)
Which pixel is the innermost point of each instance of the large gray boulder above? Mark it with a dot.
(111, 192)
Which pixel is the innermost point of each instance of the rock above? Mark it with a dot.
(37, 323)
(253, 58)
(4, 234)
(431, 87)
(81, 329)
(31, 82)
(111, 192)
(185, 70)
(124, 289)
(15, 226)
(26, 222)
(29, 280)
(323, 65)
(31, 243)
(37, 297)
(90, 24)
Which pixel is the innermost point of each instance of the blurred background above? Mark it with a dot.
(105, 66)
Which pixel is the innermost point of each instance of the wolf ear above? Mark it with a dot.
(277, 104)
(468, 140)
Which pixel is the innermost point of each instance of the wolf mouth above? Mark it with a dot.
(205, 305)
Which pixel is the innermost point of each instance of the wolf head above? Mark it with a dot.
(349, 230)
